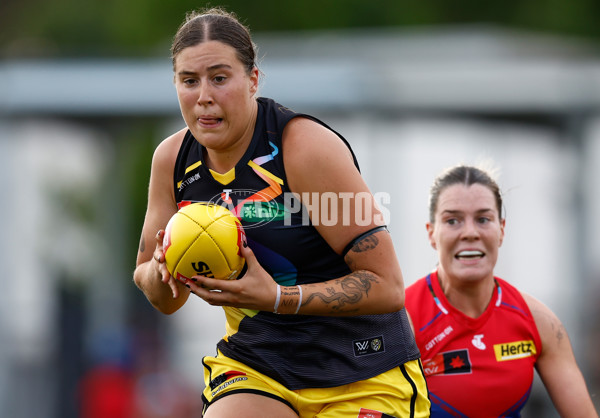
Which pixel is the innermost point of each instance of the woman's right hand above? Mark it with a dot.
(161, 266)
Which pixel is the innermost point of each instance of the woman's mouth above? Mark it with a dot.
(209, 121)
(469, 255)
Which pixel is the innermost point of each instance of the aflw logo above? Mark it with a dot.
(514, 350)
(368, 346)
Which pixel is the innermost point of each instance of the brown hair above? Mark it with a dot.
(466, 175)
(215, 24)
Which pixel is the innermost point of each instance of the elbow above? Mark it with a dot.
(398, 300)
(397, 295)
(165, 307)
(160, 298)
(389, 294)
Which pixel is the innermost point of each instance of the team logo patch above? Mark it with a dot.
(450, 362)
(369, 413)
(369, 346)
(515, 350)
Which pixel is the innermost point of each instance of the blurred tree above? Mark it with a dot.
(145, 27)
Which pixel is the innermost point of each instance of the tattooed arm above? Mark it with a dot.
(317, 162)
(557, 366)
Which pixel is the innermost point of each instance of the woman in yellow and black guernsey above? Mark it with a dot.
(316, 325)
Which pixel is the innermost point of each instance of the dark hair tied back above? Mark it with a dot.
(215, 24)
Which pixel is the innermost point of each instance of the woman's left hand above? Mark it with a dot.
(256, 289)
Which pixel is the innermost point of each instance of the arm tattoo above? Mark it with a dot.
(353, 287)
(372, 243)
(142, 244)
(559, 330)
(365, 244)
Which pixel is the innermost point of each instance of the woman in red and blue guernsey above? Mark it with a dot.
(481, 338)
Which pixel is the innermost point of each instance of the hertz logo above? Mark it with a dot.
(514, 350)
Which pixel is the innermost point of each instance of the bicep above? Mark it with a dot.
(320, 170)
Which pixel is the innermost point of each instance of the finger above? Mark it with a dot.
(174, 288)
(206, 282)
(215, 297)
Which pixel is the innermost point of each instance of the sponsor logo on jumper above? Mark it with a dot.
(450, 362)
(438, 338)
(369, 346)
(514, 350)
(189, 181)
(258, 212)
(253, 207)
(477, 341)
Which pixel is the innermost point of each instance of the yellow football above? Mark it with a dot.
(204, 239)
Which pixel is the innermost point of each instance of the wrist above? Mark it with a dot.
(288, 299)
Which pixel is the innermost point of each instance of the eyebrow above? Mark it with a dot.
(211, 68)
(455, 211)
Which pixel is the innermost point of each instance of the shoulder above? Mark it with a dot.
(549, 326)
(166, 152)
(303, 130)
(540, 312)
(517, 300)
(308, 143)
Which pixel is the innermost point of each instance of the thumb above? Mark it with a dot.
(248, 254)
(250, 258)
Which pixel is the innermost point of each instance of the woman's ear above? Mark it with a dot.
(429, 226)
(502, 224)
(254, 80)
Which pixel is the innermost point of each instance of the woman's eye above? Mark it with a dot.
(219, 79)
(484, 220)
(189, 81)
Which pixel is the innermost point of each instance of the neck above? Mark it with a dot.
(470, 297)
(223, 160)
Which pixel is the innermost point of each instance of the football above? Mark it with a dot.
(204, 239)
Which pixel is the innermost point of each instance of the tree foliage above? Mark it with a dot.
(145, 27)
